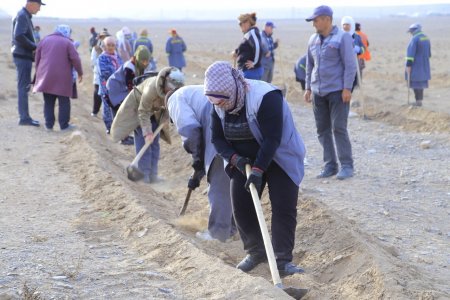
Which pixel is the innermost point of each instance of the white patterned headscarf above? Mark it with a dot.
(223, 81)
(64, 30)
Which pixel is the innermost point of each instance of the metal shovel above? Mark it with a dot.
(186, 201)
(134, 174)
(293, 292)
(408, 82)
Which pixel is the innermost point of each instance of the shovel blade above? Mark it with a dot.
(295, 293)
(134, 174)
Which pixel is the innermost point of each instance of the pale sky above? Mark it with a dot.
(180, 9)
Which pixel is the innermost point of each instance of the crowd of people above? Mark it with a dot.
(236, 119)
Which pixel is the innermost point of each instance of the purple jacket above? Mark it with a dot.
(55, 57)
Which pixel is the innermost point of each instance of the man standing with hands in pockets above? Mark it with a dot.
(330, 71)
(23, 48)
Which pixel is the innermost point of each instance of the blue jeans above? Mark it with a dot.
(149, 161)
(331, 115)
(107, 114)
(23, 68)
(254, 73)
(63, 113)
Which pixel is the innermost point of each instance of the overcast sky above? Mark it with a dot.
(179, 9)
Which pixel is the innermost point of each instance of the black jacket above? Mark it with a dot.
(250, 49)
(23, 43)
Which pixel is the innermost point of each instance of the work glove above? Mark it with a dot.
(255, 178)
(239, 162)
(357, 49)
(196, 177)
(194, 180)
(198, 165)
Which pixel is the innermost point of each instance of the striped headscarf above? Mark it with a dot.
(223, 81)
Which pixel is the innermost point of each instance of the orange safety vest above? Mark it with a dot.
(366, 55)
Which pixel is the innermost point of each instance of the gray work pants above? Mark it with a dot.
(331, 115)
(221, 223)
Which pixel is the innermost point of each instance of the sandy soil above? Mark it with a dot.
(73, 226)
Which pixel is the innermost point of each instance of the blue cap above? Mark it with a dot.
(322, 10)
(270, 24)
(414, 27)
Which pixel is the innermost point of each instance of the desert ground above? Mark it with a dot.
(74, 227)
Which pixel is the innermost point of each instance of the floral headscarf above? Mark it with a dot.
(223, 81)
(64, 30)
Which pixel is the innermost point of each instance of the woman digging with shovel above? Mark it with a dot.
(252, 124)
(143, 112)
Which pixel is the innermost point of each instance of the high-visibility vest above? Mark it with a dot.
(366, 55)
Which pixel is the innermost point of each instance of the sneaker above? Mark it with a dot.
(69, 127)
(29, 122)
(289, 269)
(251, 261)
(129, 140)
(48, 128)
(93, 115)
(155, 178)
(327, 173)
(204, 235)
(344, 173)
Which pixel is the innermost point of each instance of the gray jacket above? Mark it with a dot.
(331, 63)
(22, 38)
(190, 111)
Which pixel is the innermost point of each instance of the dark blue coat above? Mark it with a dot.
(175, 47)
(418, 57)
(23, 43)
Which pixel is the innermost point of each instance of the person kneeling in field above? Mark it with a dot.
(190, 111)
(252, 125)
(142, 111)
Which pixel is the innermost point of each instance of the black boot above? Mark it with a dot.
(251, 261)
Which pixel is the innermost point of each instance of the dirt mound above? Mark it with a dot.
(409, 118)
(340, 261)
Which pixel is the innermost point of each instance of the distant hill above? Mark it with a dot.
(365, 12)
(292, 12)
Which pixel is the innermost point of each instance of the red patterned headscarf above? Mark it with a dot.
(223, 81)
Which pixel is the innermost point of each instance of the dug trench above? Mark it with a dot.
(341, 262)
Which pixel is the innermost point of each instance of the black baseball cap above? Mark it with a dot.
(37, 1)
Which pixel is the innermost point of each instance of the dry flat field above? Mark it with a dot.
(74, 227)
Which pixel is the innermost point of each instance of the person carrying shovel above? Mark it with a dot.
(252, 125)
(190, 111)
(143, 111)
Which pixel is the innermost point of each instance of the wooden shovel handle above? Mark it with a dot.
(265, 233)
(147, 144)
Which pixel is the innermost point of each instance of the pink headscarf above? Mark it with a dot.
(223, 81)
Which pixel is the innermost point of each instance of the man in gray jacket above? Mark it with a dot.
(23, 48)
(330, 72)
